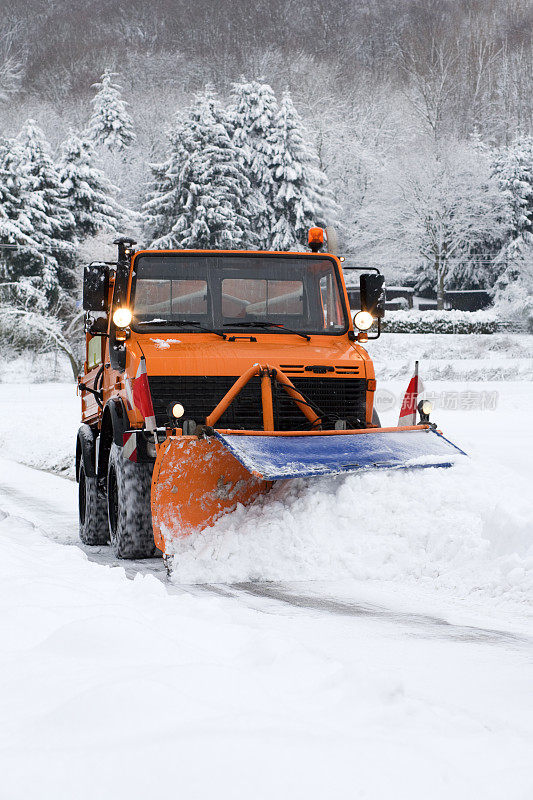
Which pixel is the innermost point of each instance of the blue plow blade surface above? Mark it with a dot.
(280, 457)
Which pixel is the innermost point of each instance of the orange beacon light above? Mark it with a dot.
(315, 239)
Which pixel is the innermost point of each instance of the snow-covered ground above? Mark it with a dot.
(368, 636)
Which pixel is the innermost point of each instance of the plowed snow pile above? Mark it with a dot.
(467, 529)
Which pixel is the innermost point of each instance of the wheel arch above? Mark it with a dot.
(114, 423)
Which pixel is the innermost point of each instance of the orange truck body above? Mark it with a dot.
(242, 400)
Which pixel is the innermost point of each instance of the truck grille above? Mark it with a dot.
(338, 398)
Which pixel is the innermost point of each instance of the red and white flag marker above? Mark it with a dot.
(141, 397)
(410, 401)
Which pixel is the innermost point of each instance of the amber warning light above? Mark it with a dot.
(315, 239)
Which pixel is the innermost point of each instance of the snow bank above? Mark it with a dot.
(467, 530)
(38, 425)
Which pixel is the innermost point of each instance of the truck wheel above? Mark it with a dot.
(128, 506)
(92, 511)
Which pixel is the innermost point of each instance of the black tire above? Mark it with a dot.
(375, 418)
(92, 511)
(128, 506)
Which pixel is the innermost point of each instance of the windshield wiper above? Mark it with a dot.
(182, 323)
(265, 324)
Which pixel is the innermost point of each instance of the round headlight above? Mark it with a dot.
(363, 320)
(177, 410)
(122, 317)
(426, 407)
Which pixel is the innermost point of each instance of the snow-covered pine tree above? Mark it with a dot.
(477, 264)
(253, 113)
(14, 225)
(14, 229)
(200, 190)
(513, 290)
(110, 124)
(47, 216)
(513, 167)
(160, 210)
(301, 194)
(89, 194)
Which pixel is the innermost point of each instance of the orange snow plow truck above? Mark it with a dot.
(211, 374)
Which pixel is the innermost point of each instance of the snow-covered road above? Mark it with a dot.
(44, 499)
(367, 683)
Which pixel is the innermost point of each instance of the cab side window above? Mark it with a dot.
(94, 351)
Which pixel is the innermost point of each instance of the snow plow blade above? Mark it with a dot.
(276, 457)
(195, 481)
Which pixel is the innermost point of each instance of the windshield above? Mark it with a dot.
(224, 291)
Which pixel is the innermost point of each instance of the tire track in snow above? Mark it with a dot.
(423, 625)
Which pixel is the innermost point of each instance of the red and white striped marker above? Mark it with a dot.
(410, 401)
(129, 449)
(129, 392)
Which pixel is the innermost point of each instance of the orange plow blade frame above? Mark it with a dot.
(196, 481)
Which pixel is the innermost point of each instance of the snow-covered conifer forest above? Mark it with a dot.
(408, 126)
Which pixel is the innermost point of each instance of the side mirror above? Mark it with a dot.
(95, 287)
(372, 294)
(98, 326)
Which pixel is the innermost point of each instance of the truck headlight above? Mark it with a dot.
(425, 407)
(363, 320)
(122, 317)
